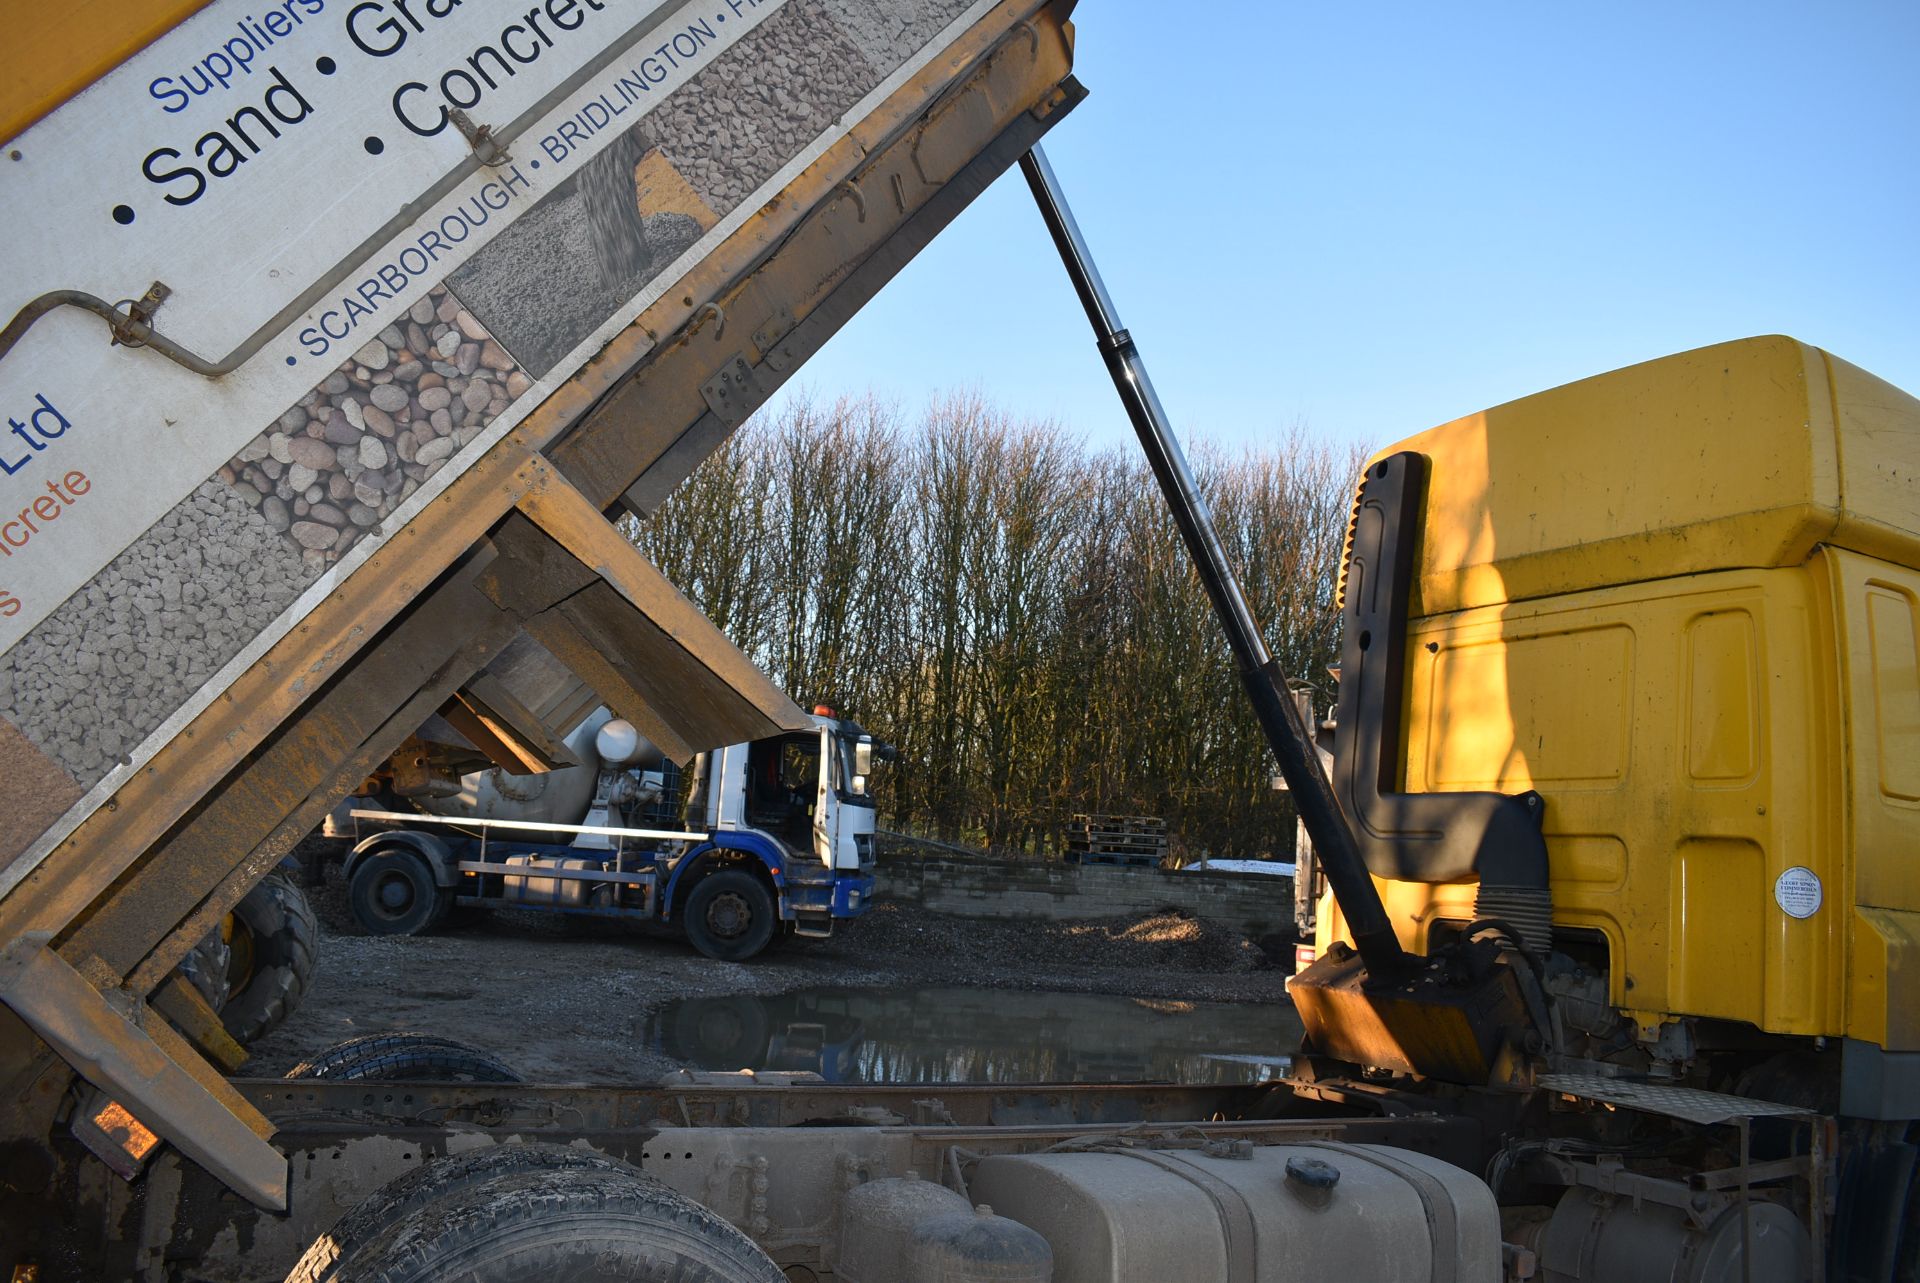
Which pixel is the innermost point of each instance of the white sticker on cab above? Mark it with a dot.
(1797, 892)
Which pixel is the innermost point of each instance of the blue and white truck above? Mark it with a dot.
(769, 838)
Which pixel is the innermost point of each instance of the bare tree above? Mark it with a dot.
(1014, 612)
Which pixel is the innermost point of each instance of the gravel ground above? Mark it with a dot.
(566, 1000)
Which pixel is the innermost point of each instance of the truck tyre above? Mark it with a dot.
(582, 1223)
(205, 968)
(400, 1198)
(275, 947)
(393, 893)
(405, 1057)
(729, 915)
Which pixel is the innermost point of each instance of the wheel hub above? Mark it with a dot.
(395, 894)
(729, 915)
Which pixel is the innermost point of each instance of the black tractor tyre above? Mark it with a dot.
(276, 947)
(392, 893)
(571, 1224)
(729, 915)
(443, 1177)
(405, 1057)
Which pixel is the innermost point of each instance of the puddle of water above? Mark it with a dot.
(960, 1035)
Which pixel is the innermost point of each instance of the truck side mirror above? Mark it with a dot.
(859, 786)
(862, 764)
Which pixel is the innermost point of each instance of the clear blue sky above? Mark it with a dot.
(1372, 218)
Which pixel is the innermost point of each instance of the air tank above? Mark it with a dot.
(880, 1225)
(979, 1247)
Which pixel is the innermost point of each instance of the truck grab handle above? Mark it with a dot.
(531, 826)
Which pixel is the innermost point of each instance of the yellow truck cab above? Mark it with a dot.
(1680, 603)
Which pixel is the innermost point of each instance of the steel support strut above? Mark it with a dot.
(1292, 744)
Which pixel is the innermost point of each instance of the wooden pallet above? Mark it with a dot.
(1142, 824)
(1131, 840)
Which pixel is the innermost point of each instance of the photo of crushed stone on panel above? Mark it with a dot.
(557, 273)
(96, 676)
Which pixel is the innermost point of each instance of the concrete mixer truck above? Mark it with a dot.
(769, 838)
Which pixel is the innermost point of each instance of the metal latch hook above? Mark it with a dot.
(134, 316)
(486, 148)
(708, 311)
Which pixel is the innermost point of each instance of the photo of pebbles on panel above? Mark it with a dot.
(350, 451)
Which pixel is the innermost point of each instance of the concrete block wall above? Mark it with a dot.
(981, 886)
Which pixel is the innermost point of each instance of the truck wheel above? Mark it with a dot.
(275, 947)
(205, 968)
(401, 1197)
(393, 893)
(729, 916)
(405, 1057)
(580, 1223)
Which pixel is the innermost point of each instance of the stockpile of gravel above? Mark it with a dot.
(557, 273)
(99, 674)
(538, 282)
(350, 451)
(760, 103)
(1165, 941)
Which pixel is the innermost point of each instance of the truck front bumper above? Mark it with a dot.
(847, 896)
